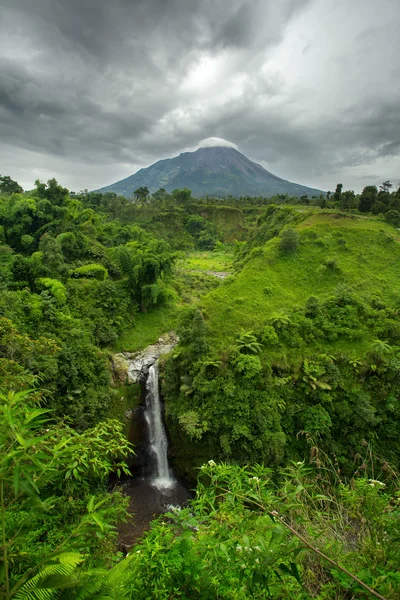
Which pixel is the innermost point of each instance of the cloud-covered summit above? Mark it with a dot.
(216, 142)
(92, 91)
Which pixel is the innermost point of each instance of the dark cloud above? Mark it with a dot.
(94, 90)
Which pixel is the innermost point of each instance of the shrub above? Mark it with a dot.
(312, 306)
(393, 217)
(269, 336)
(55, 287)
(289, 241)
(331, 264)
(190, 423)
(247, 365)
(92, 271)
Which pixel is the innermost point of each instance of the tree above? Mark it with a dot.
(368, 198)
(144, 268)
(182, 196)
(52, 256)
(338, 192)
(9, 186)
(347, 200)
(198, 335)
(141, 193)
(161, 195)
(53, 192)
(279, 320)
(246, 343)
(386, 186)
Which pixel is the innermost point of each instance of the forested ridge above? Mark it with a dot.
(281, 397)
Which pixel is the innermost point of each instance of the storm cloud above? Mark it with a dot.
(92, 90)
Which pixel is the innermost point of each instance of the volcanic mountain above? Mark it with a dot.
(216, 171)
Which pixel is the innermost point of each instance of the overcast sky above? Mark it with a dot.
(93, 90)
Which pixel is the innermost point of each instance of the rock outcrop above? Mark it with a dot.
(133, 367)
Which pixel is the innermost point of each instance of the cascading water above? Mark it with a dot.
(152, 493)
(161, 476)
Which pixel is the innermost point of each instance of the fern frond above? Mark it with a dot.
(46, 584)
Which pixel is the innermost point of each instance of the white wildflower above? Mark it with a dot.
(239, 548)
(257, 548)
(375, 482)
(211, 463)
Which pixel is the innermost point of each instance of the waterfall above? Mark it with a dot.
(161, 475)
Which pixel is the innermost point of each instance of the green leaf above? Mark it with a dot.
(230, 498)
(36, 413)
(20, 439)
(98, 521)
(27, 487)
(101, 502)
(59, 581)
(90, 504)
(16, 478)
(61, 444)
(295, 572)
(276, 536)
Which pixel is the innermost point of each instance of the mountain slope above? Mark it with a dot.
(335, 250)
(298, 345)
(217, 171)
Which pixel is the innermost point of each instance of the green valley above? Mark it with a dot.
(281, 398)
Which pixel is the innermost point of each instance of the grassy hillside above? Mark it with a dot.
(296, 345)
(334, 250)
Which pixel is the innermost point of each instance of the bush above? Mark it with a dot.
(92, 271)
(55, 287)
(331, 264)
(289, 241)
(393, 217)
(312, 307)
(269, 336)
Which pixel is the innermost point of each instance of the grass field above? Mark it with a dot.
(334, 250)
(204, 261)
(148, 328)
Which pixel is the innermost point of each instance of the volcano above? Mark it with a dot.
(216, 171)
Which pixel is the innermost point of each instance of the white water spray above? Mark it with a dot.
(161, 476)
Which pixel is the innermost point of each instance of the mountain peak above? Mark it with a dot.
(214, 142)
(213, 170)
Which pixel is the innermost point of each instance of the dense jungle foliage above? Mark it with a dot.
(287, 374)
(305, 337)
